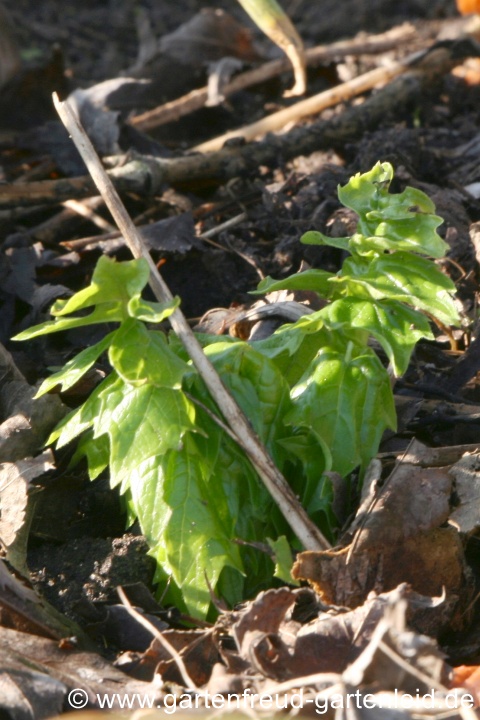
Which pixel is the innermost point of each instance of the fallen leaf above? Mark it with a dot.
(15, 480)
(400, 537)
(210, 35)
(466, 516)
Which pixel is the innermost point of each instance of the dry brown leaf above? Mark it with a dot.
(468, 677)
(37, 675)
(15, 479)
(466, 517)
(196, 648)
(210, 35)
(402, 537)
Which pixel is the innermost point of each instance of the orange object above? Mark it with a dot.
(466, 7)
(468, 677)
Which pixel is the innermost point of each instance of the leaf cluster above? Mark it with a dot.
(316, 393)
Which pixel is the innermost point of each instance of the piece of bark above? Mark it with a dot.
(25, 423)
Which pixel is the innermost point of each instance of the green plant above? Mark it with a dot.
(316, 393)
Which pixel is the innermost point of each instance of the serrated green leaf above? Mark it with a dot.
(112, 282)
(291, 362)
(404, 277)
(140, 356)
(416, 232)
(142, 422)
(152, 312)
(256, 384)
(283, 559)
(364, 191)
(347, 401)
(75, 368)
(391, 221)
(81, 419)
(313, 237)
(314, 280)
(396, 326)
(179, 513)
(105, 313)
(95, 450)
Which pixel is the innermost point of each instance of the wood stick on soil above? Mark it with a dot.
(196, 99)
(309, 535)
(147, 175)
(311, 106)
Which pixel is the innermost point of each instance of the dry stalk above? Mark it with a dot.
(196, 99)
(311, 106)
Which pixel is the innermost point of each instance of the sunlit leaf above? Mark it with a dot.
(396, 326)
(347, 401)
(75, 368)
(143, 356)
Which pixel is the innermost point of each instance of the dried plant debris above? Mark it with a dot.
(16, 505)
(24, 423)
(39, 678)
(410, 516)
(466, 473)
(276, 661)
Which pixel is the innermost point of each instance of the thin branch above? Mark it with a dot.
(146, 175)
(189, 683)
(196, 99)
(309, 535)
(304, 108)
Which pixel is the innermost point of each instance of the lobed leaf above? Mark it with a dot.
(364, 191)
(143, 356)
(404, 277)
(105, 313)
(83, 418)
(152, 312)
(197, 537)
(256, 384)
(347, 401)
(142, 422)
(184, 516)
(112, 282)
(75, 368)
(394, 325)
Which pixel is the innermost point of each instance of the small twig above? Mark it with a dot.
(93, 241)
(306, 531)
(147, 175)
(232, 222)
(82, 208)
(310, 106)
(189, 683)
(196, 99)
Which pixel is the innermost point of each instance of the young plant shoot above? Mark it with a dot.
(316, 393)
